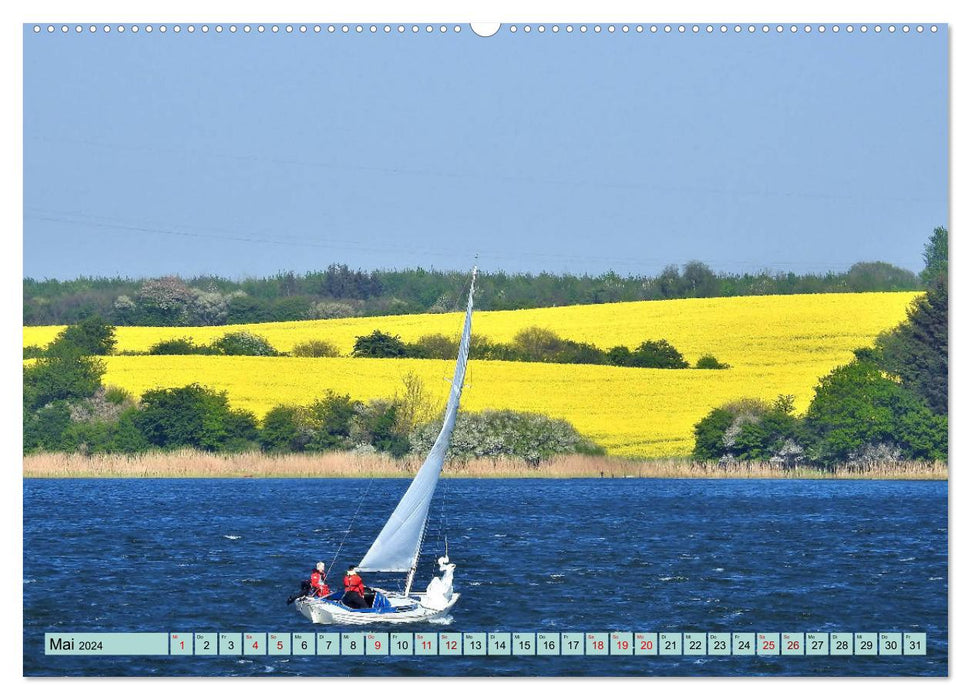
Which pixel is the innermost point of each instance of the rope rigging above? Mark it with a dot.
(445, 516)
(350, 527)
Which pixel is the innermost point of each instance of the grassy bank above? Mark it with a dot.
(189, 463)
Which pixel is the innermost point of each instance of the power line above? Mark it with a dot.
(335, 244)
(502, 176)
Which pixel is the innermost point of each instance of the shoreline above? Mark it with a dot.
(187, 464)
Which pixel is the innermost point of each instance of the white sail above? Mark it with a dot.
(397, 546)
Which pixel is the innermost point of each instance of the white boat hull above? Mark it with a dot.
(322, 611)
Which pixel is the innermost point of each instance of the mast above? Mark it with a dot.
(414, 565)
(411, 577)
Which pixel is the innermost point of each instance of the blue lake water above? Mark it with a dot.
(195, 555)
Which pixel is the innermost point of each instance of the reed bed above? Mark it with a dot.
(195, 464)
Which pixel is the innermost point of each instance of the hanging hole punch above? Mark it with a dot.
(485, 29)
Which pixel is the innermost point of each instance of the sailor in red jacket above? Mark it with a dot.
(353, 590)
(318, 581)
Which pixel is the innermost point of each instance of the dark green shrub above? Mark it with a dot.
(330, 309)
(749, 430)
(482, 348)
(376, 424)
(873, 355)
(315, 348)
(492, 434)
(45, 429)
(287, 308)
(619, 355)
(161, 302)
(33, 351)
(118, 396)
(657, 354)
(434, 347)
(89, 437)
(710, 433)
(91, 336)
(379, 344)
(864, 276)
(709, 361)
(856, 406)
(126, 437)
(246, 309)
(244, 343)
(917, 350)
(330, 421)
(698, 280)
(193, 416)
(574, 353)
(242, 431)
(935, 257)
(536, 344)
(762, 439)
(180, 346)
(285, 429)
(61, 377)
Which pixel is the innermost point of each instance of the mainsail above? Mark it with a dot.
(397, 546)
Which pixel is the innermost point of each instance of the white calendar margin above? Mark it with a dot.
(831, 11)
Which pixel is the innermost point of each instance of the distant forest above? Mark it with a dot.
(340, 292)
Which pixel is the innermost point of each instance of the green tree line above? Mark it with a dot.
(532, 344)
(96, 337)
(339, 292)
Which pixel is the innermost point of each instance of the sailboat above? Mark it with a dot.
(398, 545)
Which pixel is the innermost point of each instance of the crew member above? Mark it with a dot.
(353, 590)
(318, 585)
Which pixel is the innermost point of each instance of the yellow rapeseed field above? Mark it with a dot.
(776, 345)
(738, 330)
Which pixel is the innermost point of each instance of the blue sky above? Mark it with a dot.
(242, 155)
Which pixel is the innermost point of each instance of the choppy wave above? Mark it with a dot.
(139, 555)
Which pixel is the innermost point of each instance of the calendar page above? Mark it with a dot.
(422, 348)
